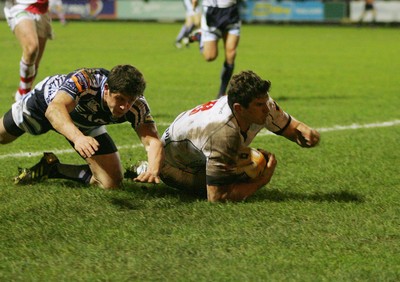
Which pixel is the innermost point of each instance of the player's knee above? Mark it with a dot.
(230, 57)
(209, 59)
(107, 182)
(114, 183)
(30, 53)
(3, 141)
(6, 138)
(209, 56)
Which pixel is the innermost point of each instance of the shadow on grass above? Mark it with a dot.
(173, 197)
(272, 195)
(126, 204)
(282, 196)
(159, 191)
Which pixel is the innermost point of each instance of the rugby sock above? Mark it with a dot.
(27, 74)
(189, 30)
(181, 34)
(226, 74)
(79, 173)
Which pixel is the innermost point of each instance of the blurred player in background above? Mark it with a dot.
(31, 23)
(78, 106)
(56, 7)
(203, 145)
(220, 20)
(369, 7)
(192, 22)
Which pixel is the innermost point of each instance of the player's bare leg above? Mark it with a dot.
(5, 137)
(230, 45)
(210, 50)
(26, 34)
(106, 170)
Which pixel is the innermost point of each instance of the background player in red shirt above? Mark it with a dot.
(31, 23)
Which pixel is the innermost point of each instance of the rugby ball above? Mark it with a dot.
(252, 162)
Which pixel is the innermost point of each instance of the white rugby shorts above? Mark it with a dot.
(17, 13)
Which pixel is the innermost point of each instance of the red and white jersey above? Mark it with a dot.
(33, 6)
(208, 137)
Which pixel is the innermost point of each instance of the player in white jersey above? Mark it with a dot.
(78, 106)
(192, 22)
(57, 7)
(30, 21)
(220, 20)
(202, 145)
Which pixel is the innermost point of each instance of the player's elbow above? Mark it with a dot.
(50, 112)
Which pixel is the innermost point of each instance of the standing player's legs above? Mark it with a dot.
(231, 41)
(44, 33)
(210, 49)
(209, 46)
(42, 47)
(182, 32)
(58, 8)
(25, 32)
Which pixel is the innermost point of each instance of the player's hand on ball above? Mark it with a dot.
(265, 153)
(269, 168)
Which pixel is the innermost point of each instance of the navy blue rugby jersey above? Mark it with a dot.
(86, 86)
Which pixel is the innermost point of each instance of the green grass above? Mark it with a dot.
(329, 214)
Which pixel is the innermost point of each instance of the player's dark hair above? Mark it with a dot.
(246, 86)
(127, 80)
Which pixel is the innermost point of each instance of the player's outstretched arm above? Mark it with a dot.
(58, 115)
(155, 153)
(302, 134)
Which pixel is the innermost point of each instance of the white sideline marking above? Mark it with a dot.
(353, 126)
(58, 152)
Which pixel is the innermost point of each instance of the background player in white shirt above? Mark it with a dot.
(203, 145)
(57, 7)
(30, 21)
(220, 20)
(192, 22)
(78, 106)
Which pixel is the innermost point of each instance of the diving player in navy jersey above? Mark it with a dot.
(78, 106)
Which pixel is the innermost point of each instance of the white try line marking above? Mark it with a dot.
(353, 126)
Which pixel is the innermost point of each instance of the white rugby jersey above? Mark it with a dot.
(208, 137)
(219, 3)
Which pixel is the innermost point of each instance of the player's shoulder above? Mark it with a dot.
(86, 78)
(140, 109)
